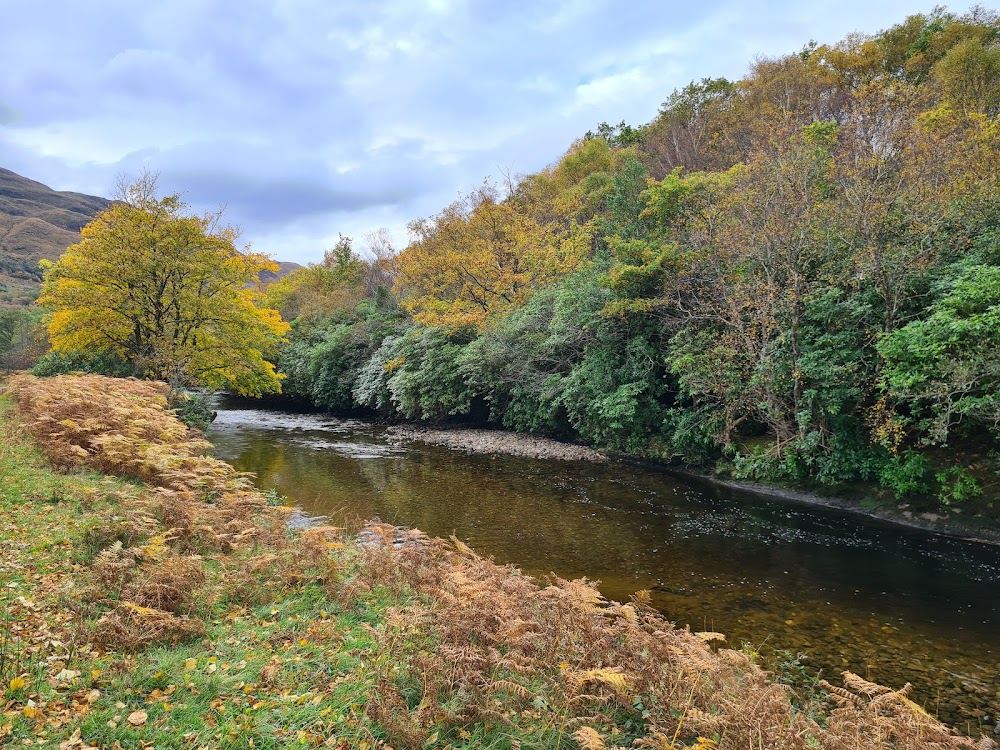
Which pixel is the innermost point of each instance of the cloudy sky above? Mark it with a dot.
(309, 118)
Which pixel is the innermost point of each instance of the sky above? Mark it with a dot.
(306, 119)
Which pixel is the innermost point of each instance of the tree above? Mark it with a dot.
(22, 337)
(168, 291)
(685, 133)
(946, 367)
(480, 257)
(321, 290)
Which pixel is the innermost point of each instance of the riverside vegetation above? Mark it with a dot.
(791, 278)
(172, 605)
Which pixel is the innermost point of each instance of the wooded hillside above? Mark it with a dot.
(794, 276)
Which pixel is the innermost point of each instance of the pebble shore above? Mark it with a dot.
(498, 442)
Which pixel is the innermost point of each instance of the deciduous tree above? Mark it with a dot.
(168, 291)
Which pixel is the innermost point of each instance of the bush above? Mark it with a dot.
(91, 363)
(905, 474)
(428, 382)
(193, 409)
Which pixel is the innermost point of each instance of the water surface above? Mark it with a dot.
(889, 603)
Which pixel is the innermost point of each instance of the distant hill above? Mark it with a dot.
(284, 268)
(36, 222)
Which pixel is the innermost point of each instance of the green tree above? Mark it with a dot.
(321, 289)
(946, 367)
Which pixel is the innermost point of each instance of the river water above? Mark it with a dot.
(892, 604)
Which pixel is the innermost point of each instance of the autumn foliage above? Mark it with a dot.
(485, 645)
(166, 291)
(480, 257)
(150, 551)
(785, 277)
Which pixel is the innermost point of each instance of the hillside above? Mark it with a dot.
(36, 222)
(285, 267)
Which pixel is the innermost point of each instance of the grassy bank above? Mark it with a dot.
(173, 607)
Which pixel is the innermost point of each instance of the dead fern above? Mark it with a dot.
(485, 644)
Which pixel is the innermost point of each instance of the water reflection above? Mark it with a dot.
(889, 603)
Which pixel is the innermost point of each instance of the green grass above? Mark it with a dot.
(292, 672)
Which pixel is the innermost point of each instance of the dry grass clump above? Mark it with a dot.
(130, 627)
(487, 646)
(118, 426)
(148, 551)
(872, 715)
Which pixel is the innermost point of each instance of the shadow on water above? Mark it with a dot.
(887, 602)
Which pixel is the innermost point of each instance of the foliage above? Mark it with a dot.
(957, 485)
(946, 366)
(94, 363)
(426, 381)
(480, 257)
(788, 276)
(168, 293)
(192, 408)
(320, 289)
(906, 474)
(22, 337)
(121, 427)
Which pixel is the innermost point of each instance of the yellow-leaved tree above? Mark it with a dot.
(167, 291)
(481, 257)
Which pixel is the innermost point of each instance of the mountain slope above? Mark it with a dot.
(36, 222)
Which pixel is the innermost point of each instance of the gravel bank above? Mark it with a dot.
(495, 441)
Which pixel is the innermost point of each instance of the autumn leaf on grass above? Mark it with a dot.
(137, 718)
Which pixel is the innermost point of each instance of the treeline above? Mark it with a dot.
(791, 276)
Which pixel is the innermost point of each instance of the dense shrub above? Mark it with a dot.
(94, 363)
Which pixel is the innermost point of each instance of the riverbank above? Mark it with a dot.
(181, 611)
(947, 522)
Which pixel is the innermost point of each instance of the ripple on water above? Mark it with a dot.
(351, 450)
(265, 419)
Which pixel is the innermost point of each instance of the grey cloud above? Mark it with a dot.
(261, 105)
(253, 201)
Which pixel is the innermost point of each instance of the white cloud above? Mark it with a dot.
(309, 118)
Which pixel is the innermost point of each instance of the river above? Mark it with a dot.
(890, 603)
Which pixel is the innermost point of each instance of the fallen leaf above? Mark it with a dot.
(190, 665)
(137, 718)
(17, 683)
